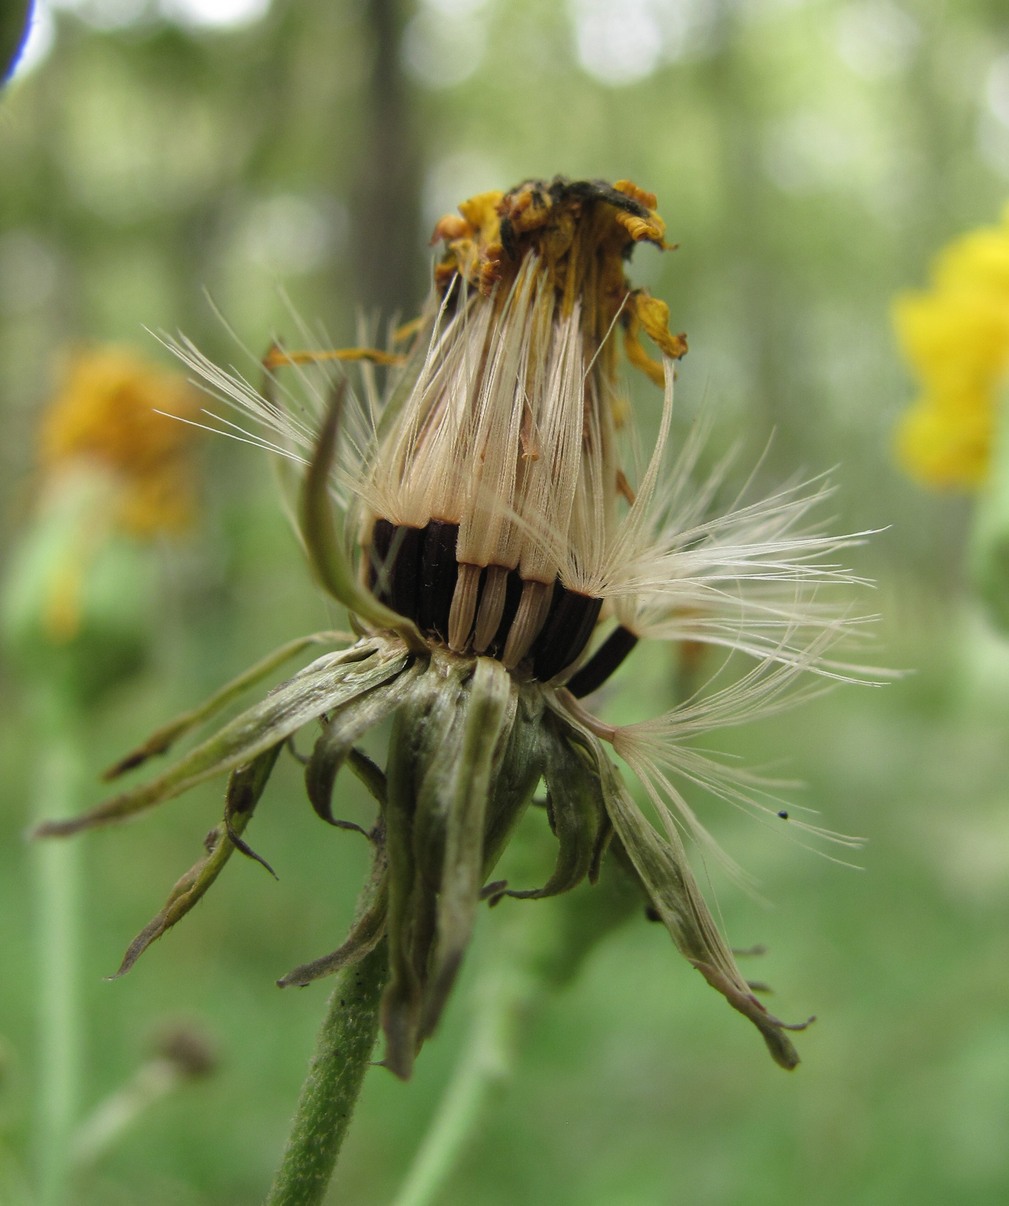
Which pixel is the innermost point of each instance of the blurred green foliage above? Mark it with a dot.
(809, 156)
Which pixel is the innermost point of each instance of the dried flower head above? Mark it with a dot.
(500, 556)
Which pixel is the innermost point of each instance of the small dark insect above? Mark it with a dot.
(540, 197)
(595, 190)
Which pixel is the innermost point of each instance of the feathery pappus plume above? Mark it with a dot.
(499, 558)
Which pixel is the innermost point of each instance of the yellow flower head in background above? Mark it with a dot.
(77, 606)
(955, 337)
(111, 413)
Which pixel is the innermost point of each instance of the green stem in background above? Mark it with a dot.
(535, 957)
(57, 910)
(507, 995)
(328, 1096)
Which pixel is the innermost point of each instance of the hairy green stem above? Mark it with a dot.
(328, 1096)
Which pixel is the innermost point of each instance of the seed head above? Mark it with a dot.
(483, 524)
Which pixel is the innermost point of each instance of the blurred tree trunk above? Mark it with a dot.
(385, 199)
(746, 222)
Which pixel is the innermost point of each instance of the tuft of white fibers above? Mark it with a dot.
(661, 751)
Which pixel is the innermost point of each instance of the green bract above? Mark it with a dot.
(469, 747)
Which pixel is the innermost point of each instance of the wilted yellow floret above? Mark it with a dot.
(106, 414)
(956, 339)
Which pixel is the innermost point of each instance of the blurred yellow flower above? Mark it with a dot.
(78, 600)
(955, 337)
(105, 415)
